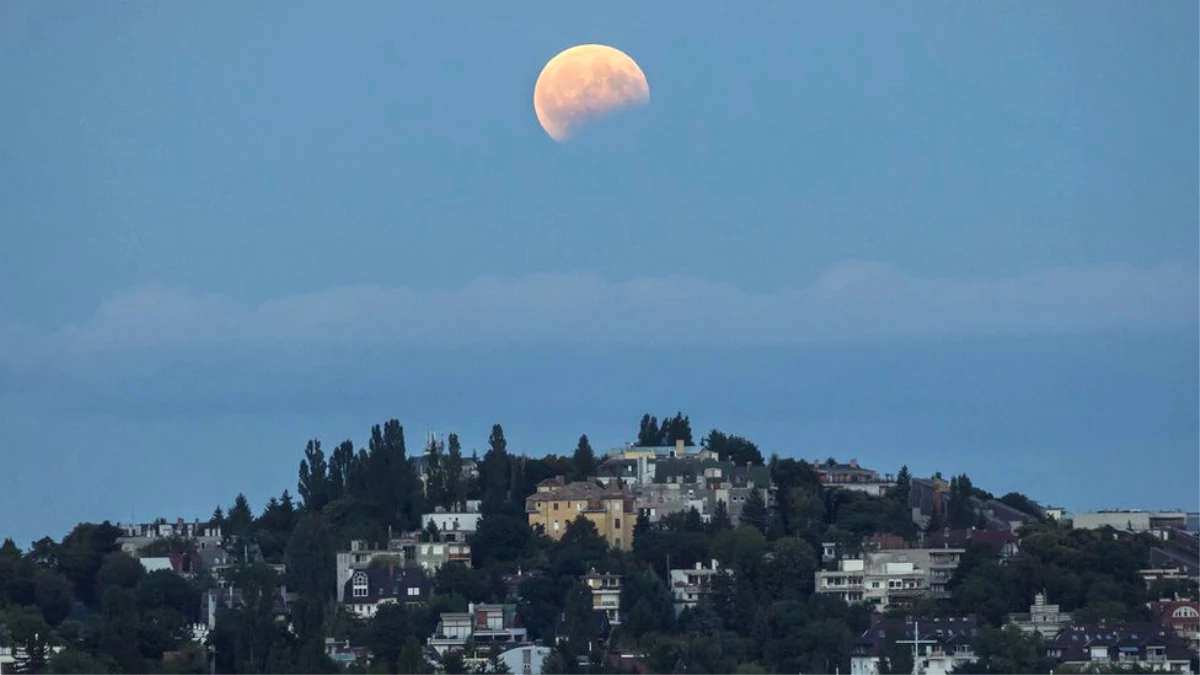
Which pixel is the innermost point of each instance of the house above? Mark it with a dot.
(1181, 616)
(370, 588)
(927, 499)
(481, 626)
(1178, 549)
(1001, 517)
(1043, 619)
(885, 578)
(689, 586)
(453, 526)
(1003, 543)
(343, 654)
(135, 536)
(610, 508)
(851, 476)
(606, 594)
(940, 645)
(1133, 520)
(403, 551)
(525, 659)
(631, 451)
(1143, 644)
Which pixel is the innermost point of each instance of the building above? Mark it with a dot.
(343, 654)
(689, 586)
(1043, 619)
(1141, 644)
(885, 578)
(1003, 543)
(370, 588)
(606, 594)
(525, 660)
(610, 508)
(939, 645)
(631, 451)
(136, 536)
(927, 498)
(404, 551)
(1133, 520)
(454, 526)
(1181, 616)
(1178, 549)
(851, 476)
(482, 626)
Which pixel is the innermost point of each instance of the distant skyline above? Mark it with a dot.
(966, 238)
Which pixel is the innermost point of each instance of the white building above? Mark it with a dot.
(606, 594)
(526, 659)
(884, 578)
(688, 586)
(453, 525)
(1043, 619)
(1133, 520)
(481, 625)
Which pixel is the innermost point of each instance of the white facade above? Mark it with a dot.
(525, 660)
(453, 524)
(688, 586)
(882, 578)
(1133, 520)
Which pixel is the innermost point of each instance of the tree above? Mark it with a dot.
(732, 448)
(584, 460)
(580, 619)
(754, 511)
(412, 658)
(456, 486)
(648, 433)
(960, 512)
(312, 559)
(314, 478)
(495, 474)
(720, 520)
(240, 519)
(677, 428)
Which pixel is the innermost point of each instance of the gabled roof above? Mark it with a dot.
(389, 584)
(945, 631)
(1076, 641)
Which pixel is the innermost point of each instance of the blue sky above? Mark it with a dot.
(958, 236)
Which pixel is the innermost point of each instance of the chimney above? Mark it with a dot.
(679, 446)
(699, 566)
(714, 563)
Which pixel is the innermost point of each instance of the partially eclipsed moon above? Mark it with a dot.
(584, 84)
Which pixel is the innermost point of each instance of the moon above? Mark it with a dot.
(586, 83)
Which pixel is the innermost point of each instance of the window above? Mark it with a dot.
(556, 526)
(555, 507)
(617, 523)
(413, 591)
(360, 585)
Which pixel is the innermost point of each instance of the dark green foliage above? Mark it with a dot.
(584, 460)
(754, 511)
(732, 448)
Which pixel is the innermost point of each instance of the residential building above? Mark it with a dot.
(606, 594)
(525, 659)
(939, 645)
(404, 551)
(1133, 520)
(1181, 616)
(135, 536)
(610, 508)
(453, 526)
(885, 578)
(1043, 619)
(1178, 549)
(1003, 543)
(631, 451)
(689, 586)
(851, 476)
(1141, 644)
(370, 588)
(927, 498)
(482, 625)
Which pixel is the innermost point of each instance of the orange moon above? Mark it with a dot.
(584, 84)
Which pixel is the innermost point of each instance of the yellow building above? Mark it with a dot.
(556, 503)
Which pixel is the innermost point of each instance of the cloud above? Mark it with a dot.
(851, 301)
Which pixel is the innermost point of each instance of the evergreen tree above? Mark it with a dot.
(648, 433)
(720, 520)
(494, 473)
(456, 485)
(754, 511)
(314, 477)
(584, 460)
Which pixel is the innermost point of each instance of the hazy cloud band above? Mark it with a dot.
(851, 301)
